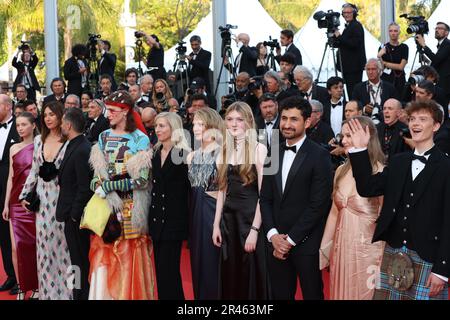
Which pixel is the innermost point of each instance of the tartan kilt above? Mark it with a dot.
(418, 290)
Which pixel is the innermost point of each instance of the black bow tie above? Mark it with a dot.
(334, 105)
(292, 148)
(305, 95)
(269, 123)
(5, 125)
(422, 159)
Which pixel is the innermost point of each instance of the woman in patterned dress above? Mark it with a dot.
(121, 265)
(53, 259)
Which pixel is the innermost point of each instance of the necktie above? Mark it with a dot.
(334, 105)
(291, 148)
(438, 45)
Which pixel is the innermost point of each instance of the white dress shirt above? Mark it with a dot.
(4, 133)
(269, 128)
(336, 116)
(288, 159)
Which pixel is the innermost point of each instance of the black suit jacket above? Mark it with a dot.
(100, 125)
(52, 97)
(73, 76)
(168, 216)
(296, 52)
(326, 117)
(301, 210)
(20, 66)
(74, 178)
(352, 48)
(441, 62)
(321, 133)
(200, 67)
(261, 125)
(107, 66)
(318, 93)
(361, 93)
(430, 226)
(249, 56)
(13, 137)
(397, 144)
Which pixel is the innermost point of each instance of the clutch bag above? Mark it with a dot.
(96, 215)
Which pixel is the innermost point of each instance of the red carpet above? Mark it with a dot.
(185, 274)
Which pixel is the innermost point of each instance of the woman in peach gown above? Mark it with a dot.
(347, 241)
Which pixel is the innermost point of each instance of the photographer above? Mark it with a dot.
(287, 65)
(162, 97)
(274, 84)
(199, 61)
(131, 77)
(58, 87)
(374, 92)
(261, 64)
(351, 47)
(394, 57)
(25, 61)
(306, 86)
(318, 131)
(393, 134)
(441, 59)
(286, 40)
(76, 70)
(21, 94)
(105, 87)
(247, 57)
(155, 56)
(107, 62)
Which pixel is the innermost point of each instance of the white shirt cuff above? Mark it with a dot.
(355, 150)
(271, 233)
(291, 241)
(440, 277)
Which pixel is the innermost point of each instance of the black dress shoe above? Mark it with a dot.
(14, 290)
(8, 284)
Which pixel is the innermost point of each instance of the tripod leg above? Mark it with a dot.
(218, 77)
(346, 95)
(321, 63)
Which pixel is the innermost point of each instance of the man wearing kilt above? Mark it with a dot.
(415, 218)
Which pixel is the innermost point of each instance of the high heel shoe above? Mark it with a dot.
(20, 295)
(34, 295)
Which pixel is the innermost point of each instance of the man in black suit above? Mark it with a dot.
(107, 62)
(441, 59)
(294, 206)
(8, 137)
(58, 87)
(269, 121)
(97, 123)
(374, 92)
(306, 86)
(351, 47)
(105, 87)
(390, 131)
(319, 131)
(334, 108)
(247, 57)
(199, 61)
(415, 217)
(76, 70)
(25, 66)
(74, 179)
(286, 40)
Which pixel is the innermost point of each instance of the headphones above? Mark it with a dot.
(354, 7)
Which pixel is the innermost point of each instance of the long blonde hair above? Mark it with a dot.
(213, 122)
(376, 154)
(176, 125)
(246, 171)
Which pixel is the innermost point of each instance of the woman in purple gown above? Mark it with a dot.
(22, 222)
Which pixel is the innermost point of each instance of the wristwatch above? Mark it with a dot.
(255, 228)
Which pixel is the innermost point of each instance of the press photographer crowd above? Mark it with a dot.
(102, 181)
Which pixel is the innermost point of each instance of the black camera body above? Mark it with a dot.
(259, 83)
(181, 49)
(161, 99)
(25, 45)
(328, 20)
(226, 34)
(417, 24)
(415, 79)
(138, 34)
(272, 43)
(93, 38)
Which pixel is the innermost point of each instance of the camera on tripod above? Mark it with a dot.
(226, 34)
(328, 20)
(417, 24)
(25, 45)
(181, 50)
(272, 43)
(93, 38)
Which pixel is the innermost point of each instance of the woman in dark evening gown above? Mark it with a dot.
(208, 127)
(22, 222)
(243, 267)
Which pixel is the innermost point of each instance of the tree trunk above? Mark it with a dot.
(67, 43)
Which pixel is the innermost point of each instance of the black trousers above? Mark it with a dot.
(284, 273)
(167, 267)
(78, 242)
(352, 79)
(5, 247)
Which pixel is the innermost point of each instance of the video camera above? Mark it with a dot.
(417, 24)
(272, 43)
(25, 45)
(328, 20)
(181, 49)
(93, 38)
(226, 34)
